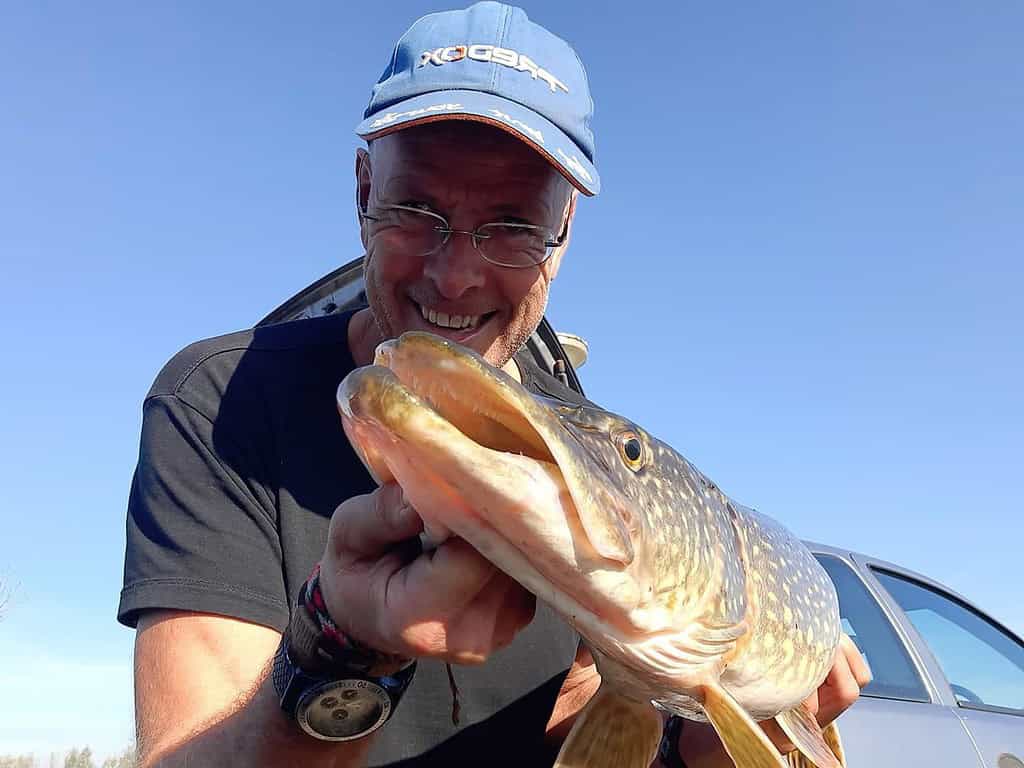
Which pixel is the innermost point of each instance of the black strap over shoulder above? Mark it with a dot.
(536, 379)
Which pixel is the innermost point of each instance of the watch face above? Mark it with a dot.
(340, 710)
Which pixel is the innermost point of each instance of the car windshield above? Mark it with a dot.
(983, 664)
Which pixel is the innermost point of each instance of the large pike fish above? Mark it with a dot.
(689, 603)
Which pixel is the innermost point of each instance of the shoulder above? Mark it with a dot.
(262, 352)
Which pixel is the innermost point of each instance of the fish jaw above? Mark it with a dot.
(498, 412)
(511, 503)
(538, 489)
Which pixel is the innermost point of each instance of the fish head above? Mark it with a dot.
(569, 500)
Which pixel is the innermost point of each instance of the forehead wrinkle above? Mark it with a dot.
(449, 195)
(489, 180)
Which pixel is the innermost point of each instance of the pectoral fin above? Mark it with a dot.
(606, 529)
(612, 732)
(803, 730)
(742, 738)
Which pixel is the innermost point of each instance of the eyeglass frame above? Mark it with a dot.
(476, 236)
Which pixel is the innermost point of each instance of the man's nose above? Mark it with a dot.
(456, 268)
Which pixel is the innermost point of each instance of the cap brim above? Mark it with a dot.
(523, 123)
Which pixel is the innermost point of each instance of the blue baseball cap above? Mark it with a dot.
(491, 64)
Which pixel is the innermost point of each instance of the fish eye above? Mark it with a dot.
(632, 449)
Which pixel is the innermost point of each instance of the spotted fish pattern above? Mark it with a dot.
(687, 600)
(715, 562)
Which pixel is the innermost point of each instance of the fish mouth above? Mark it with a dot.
(479, 457)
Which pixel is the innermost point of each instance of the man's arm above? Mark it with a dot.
(203, 696)
(203, 689)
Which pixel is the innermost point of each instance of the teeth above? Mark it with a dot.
(444, 320)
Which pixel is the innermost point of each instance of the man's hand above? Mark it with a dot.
(700, 747)
(384, 591)
(840, 690)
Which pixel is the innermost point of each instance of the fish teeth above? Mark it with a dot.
(445, 320)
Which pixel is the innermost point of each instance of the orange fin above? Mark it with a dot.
(831, 735)
(802, 728)
(612, 732)
(742, 738)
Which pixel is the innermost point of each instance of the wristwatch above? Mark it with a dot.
(335, 693)
(341, 706)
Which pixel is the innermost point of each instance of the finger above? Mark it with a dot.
(455, 604)
(489, 621)
(839, 691)
(438, 586)
(858, 664)
(511, 605)
(371, 524)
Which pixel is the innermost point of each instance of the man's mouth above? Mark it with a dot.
(452, 321)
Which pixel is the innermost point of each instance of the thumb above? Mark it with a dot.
(373, 523)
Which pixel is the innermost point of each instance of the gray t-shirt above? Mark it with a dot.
(242, 462)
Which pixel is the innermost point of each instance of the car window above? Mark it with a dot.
(984, 664)
(893, 673)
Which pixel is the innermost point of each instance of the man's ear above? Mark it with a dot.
(555, 261)
(363, 177)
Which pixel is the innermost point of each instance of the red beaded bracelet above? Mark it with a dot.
(336, 643)
(313, 602)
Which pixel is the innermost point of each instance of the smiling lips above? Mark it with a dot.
(445, 320)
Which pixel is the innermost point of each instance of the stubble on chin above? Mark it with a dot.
(505, 347)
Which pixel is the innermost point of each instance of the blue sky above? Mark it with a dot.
(804, 271)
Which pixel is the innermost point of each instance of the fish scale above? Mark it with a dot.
(689, 602)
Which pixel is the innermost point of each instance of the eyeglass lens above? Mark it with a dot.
(504, 244)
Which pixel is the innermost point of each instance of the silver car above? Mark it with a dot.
(948, 687)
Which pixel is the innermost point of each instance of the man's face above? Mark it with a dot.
(471, 175)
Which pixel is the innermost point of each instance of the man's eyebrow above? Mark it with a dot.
(514, 214)
(534, 212)
(407, 188)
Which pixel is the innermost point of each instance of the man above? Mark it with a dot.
(479, 143)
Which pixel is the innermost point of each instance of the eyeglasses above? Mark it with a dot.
(504, 244)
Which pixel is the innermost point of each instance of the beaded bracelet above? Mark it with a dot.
(313, 602)
(339, 645)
